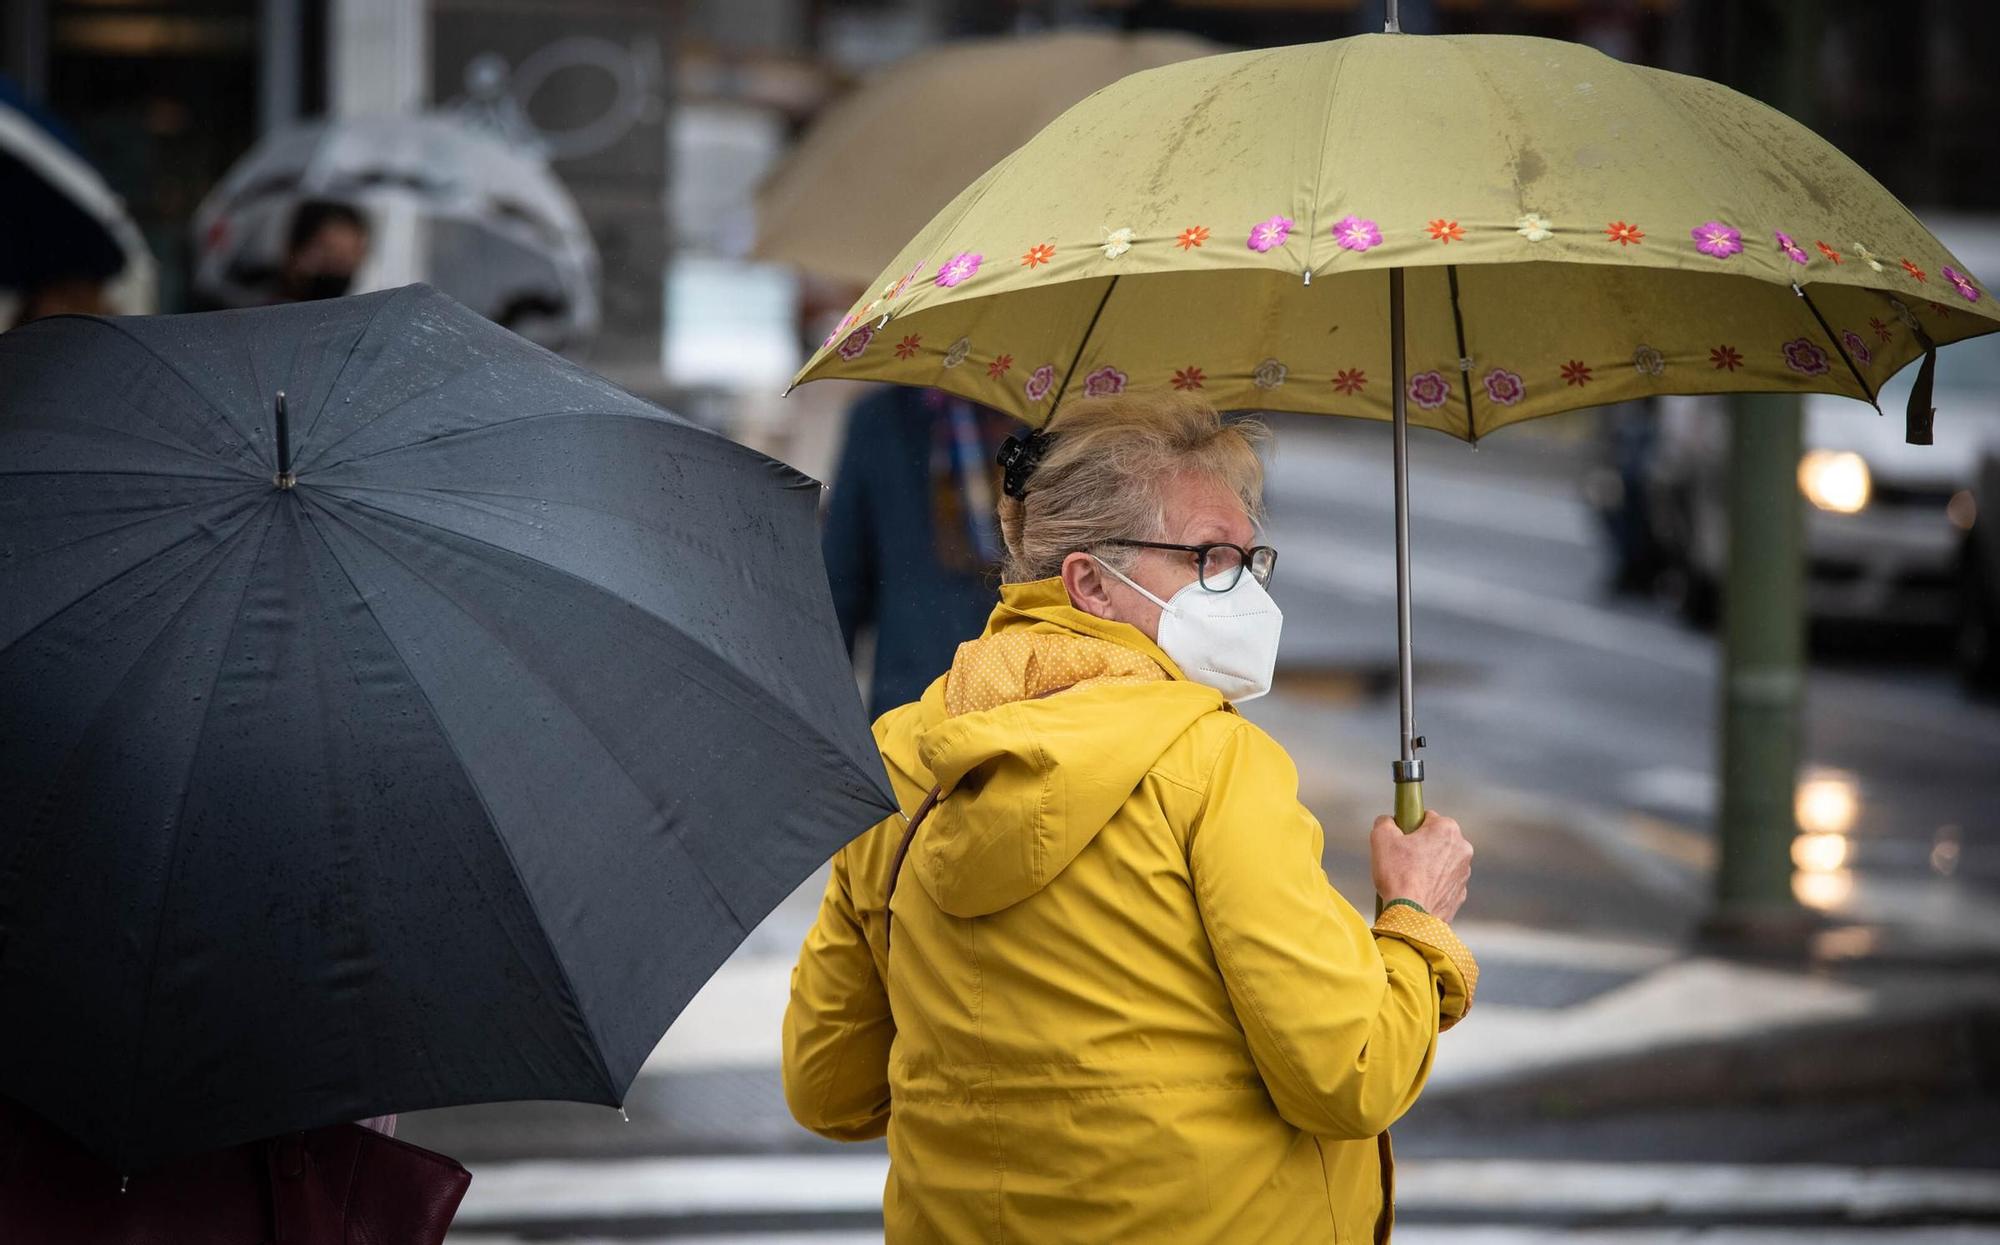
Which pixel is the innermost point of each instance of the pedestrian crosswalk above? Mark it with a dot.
(834, 1199)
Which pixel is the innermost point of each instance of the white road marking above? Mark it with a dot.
(665, 1188)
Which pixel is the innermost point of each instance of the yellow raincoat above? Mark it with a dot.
(1119, 1000)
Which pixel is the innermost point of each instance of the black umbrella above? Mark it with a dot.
(445, 774)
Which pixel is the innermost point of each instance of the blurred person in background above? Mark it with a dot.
(911, 543)
(62, 296)
(325, 246)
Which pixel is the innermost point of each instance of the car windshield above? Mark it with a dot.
(1971, 366)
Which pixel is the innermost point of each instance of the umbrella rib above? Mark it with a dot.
(99, 587)
(1325, 137)
(1076, 360)
(1464, 361)
(1839, 349)
(96, 715)
(745, 689)
(180, 813)
(305, 461)
(399, 296)
(491, 425)
(242, 447)
(591, 1043)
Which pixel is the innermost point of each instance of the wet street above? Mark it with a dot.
(1532, 679)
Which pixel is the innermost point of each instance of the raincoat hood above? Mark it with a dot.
(1036, 737)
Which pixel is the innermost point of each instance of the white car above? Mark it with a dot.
(1893, 531)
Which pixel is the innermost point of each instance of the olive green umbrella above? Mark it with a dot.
(1460, 232)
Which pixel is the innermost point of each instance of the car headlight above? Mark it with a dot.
(1835, 480)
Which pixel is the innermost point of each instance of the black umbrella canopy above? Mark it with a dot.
(447, 775)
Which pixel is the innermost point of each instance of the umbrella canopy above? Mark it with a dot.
(62, 221)
(882, 160)
(442, 767)
(1576, 231)
(500, 233)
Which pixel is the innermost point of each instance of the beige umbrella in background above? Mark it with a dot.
(872, 171)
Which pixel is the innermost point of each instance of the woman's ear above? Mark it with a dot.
(1084, 580)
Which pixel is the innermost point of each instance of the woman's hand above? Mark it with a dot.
(1431, 865)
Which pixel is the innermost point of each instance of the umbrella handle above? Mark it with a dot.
(1409, 805)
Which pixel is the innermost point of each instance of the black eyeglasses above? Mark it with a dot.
(1218, 565)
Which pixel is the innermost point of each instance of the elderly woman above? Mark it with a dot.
(1115, 997)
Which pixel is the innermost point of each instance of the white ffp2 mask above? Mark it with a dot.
(1227, 640)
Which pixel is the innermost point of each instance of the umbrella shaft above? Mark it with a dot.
(1406, 685)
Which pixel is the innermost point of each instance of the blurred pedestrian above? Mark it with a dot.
(911, 542)
(1115, 997)
(325, 245)
(78, 294)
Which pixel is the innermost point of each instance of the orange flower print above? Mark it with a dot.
(1623, 234)
(1189, 377)
(1191, 237)
(1038, 254)
(999, 366)
(1881, 330)
(1915, 271)
(1576, 372)
(1350, 380)
(1445, 231)
(1832, 255)
(908, 346)
(1725, 358)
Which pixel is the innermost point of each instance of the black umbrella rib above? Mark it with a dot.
(1464, 363)
(112, 697)
(236, 439)
(180, 815)
(333, 386)
(1839, 349)
(304, 461)
(248, 504)
(1076, 360)
(592, 1046)
(743, 692)
(490, 426)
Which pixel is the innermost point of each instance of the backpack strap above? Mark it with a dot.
(902, 850)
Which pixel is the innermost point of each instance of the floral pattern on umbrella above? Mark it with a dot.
(1270, 234)
(1103, 382)
(1429, 390)
(1805, 358)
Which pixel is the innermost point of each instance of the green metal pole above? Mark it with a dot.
(1763, 674)
(1771, 44)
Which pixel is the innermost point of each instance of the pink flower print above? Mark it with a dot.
(1429, 390)
(856, 342)
(959, 267)
(1805, 358)
(1962, 283)
(1040, 381)
(1271, 234)
(1104, 381)
(1355, 234)
(1792, 250)
(1504, 387)
(1857, 349)
(1717, 239)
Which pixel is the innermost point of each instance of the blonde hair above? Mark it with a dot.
(1103, 476)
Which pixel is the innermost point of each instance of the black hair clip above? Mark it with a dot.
(1020, 454)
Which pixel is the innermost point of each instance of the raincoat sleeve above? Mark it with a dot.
(1342, 1020)
(838, 1027)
